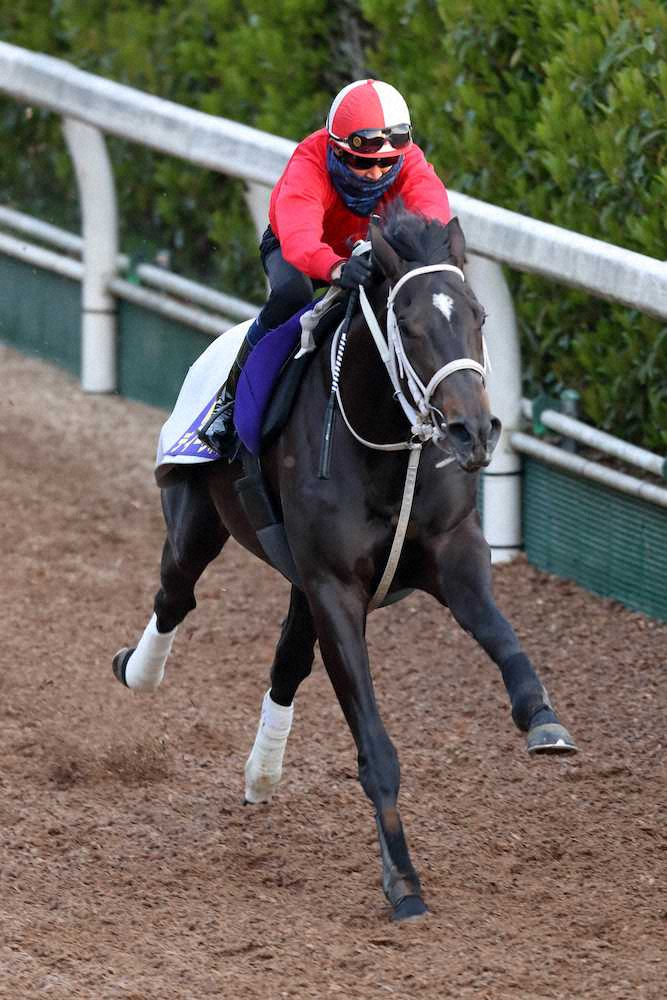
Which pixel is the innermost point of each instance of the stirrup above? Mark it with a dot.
(218, 433)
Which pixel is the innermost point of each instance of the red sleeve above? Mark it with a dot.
(298, 204)
(420, 187)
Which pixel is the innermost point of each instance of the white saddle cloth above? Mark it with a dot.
(178, 443)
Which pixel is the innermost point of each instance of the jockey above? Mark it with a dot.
(362, 159)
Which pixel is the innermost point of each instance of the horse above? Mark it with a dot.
(409, 380)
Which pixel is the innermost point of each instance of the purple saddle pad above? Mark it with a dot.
(259, 376)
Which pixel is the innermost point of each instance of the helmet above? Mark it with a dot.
(370, 119)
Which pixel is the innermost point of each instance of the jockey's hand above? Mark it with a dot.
(356, 271)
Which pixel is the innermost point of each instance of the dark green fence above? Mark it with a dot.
(611, 543)
(40, 313)
(154, 353)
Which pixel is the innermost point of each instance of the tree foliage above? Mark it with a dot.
(553, 108)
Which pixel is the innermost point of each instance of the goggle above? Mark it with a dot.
(364, 163)
(371, 140)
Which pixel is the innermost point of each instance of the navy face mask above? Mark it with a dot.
(360, 196)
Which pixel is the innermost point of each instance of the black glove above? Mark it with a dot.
(356, 271)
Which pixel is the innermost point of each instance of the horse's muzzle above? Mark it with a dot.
(472, 442)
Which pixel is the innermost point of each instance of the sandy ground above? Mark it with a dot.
(129, 868)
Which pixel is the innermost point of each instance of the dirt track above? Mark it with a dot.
(129, 868)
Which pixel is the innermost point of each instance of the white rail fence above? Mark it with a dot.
(92, 107)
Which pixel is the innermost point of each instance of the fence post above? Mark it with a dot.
(502, 480)
(257, 198)
(97, 197)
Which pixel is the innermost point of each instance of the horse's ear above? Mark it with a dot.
(384, 254)
(457, 243)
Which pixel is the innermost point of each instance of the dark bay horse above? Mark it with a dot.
(341, 528)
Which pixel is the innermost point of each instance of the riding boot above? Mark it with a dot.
(218, 432)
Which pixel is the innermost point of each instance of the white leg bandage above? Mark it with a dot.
(145, 668)
(265, 763)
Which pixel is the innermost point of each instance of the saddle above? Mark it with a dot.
(270, 379)
(265, 396)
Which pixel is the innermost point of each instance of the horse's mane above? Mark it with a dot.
(414, 237)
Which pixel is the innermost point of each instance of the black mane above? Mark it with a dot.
(415, 238)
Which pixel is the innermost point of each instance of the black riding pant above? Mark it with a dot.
(290, 289)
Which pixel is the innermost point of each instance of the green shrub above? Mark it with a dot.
(552, 108)
(556, 109)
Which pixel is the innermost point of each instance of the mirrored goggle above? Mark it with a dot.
(366, 162)
(371, 140)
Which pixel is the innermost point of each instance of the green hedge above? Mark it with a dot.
(556, 109)
(552, 108)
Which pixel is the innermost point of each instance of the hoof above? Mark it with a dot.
(550, 737)
(119, 665)
(260, 786)
(410, 908)
(257, 798)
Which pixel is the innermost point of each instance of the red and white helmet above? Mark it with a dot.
(370, 119)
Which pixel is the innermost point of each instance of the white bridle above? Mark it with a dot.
(419, 410)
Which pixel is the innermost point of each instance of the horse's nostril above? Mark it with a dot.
(459, 435)
(473, 441)
(494, 433)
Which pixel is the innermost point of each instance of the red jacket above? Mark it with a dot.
(315, 228)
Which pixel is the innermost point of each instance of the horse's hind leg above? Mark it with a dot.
(463, 583)
(292, 664)
(195, 536)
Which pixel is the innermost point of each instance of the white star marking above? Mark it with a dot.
(444, 304)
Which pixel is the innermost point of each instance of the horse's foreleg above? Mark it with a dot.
(463, 583)
(292, 664)
(195, 537)
(340, 623)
